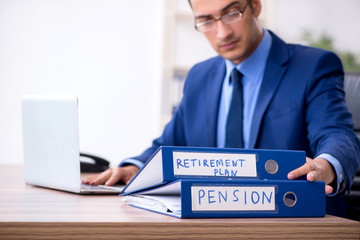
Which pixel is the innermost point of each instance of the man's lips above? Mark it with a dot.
(228, 45)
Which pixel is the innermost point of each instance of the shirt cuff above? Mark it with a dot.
(338, 170)
(131, 161)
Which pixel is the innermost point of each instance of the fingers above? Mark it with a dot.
(310, 176)
(318, 169)
(125, 174)
(115, 177)
(97, 179)
(328, 189)
(112, 176)
(303, 170)
(324, 171)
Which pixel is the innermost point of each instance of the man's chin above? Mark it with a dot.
(233, 58)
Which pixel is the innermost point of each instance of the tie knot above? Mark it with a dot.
(236, 76)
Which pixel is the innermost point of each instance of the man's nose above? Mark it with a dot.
(223, 30)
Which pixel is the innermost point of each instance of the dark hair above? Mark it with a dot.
(248, 1)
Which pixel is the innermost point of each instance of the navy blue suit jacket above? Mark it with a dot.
(301, 106)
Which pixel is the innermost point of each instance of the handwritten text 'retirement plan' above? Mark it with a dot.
(214, 164)
(224, 198)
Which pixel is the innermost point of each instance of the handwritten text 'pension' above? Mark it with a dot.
(223, 198)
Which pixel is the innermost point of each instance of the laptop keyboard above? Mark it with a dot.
(88, 187)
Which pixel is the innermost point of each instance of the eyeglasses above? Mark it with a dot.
(227, 18)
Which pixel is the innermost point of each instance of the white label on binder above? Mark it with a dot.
(231, 198)
(214, 164)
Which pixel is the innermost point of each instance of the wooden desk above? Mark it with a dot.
(28, 212)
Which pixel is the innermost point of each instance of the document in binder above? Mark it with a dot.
(171, 163)
(237, 198)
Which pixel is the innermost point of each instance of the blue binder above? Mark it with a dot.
(170, 163)
(227, 199)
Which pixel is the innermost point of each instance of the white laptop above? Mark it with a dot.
(51, 145)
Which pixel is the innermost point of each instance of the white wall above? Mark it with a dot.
(107, 52)
(287, 18)
(339, 19)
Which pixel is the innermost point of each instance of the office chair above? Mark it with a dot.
(352, 95)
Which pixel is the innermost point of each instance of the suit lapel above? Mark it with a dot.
(214, 83)
(274, 71)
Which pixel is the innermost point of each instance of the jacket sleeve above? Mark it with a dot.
(329, 123)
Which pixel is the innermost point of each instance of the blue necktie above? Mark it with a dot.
(234, 123)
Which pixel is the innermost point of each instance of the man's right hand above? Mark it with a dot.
(112, 175)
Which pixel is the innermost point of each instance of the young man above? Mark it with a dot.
(292, 98)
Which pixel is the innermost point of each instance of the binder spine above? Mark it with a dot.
(201, 199)
(201, 163)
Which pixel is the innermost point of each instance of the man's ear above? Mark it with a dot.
(256, 4)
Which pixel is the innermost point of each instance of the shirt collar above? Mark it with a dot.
(253, 66)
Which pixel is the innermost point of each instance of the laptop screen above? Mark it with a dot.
(51, 142)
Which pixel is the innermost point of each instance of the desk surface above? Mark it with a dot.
(28, 212)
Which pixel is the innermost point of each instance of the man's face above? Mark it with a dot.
(234, 41)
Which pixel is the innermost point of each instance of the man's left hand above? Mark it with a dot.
(318, 169)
